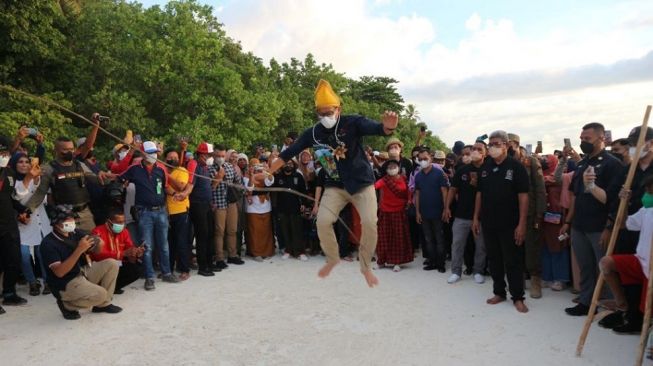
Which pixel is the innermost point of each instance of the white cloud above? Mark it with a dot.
(548, 71)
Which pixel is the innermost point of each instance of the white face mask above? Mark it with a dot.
(495, 152)
(68, 226)
(209, 161)
(467, 159)
(475, 156)
(4, 161)
(151, 158)
(394, 153)
(219, 161)
(122, 155)
(424, 164)
(632, 150)
(393, 171)
(328, 121)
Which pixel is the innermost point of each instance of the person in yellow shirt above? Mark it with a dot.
(178, 203)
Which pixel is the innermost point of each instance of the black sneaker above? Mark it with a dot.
(149, 284)
(68, 314)
(46, 290)
(613, 320)
(221, 264)
(235, 260)
(442, 270)
(468, 271)
(14, 300)
(628, 328)
(578, 310)
(2, 310)
(170, 278)
(430, 267)
(109, 309)
(118, 291)
(34, 289)
(205, 272)
(215, 268)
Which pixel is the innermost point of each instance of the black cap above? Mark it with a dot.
(61, 213)
(458, 147)
(634, 135)
(4, 143)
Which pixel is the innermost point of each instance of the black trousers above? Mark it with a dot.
(291, 228)
(128, 273)
(10, 259)
(506, 260)
(201, 217)
(434, 247)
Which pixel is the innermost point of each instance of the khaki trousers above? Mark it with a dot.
(85, 220)
(94, 288)
(226, 226)
(333, 201)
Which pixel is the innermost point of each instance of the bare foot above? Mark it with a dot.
(326, 270)
(495, 300)
(521, 307)
(370, 278)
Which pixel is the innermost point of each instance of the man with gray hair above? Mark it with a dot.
(502, 209)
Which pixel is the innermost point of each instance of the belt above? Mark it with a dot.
(151, 208)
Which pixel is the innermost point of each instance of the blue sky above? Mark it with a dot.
(537, 68)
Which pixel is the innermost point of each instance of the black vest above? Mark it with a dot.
(69, 184)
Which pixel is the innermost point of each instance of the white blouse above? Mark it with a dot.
(39, 225)
(258, 207)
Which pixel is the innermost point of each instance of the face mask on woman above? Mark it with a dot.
(393, 171)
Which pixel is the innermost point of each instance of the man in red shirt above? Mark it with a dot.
(118, 245)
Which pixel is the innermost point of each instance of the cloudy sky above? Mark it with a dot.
(541, 68)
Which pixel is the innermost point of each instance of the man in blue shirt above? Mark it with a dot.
(431, 186)
(338, 146)
(151, 182)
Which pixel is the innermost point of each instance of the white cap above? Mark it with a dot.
(149, 147)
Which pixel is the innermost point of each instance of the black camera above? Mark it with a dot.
(104, 120)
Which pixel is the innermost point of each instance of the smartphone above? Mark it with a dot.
(567, 143)
(529, 149)
(482, 138)
(608, 137)
(274, 147)
(34, 161)
(138, 139)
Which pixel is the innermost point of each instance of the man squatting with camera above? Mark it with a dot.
(75, 281)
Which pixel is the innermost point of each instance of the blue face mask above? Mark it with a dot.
(117, 228)
(647, 200)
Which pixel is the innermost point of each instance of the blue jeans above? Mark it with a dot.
(27, 262)
(153, 230)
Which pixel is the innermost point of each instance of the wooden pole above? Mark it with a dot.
(615, 232)
(647, 311)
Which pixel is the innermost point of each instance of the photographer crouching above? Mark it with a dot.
(118, 245)
(75, 281)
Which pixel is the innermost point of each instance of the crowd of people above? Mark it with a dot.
(83, 229)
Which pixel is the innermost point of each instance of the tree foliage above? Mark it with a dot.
(166, 72)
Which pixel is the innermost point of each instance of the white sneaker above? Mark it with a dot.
(557, 286)
(396, 268)
(285, 256)
(303, 257)
(479, 278)
(258, 259)
(453, 278)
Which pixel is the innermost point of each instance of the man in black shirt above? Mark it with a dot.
(75, 281)
(589, 208)
(464, 187)
(289, 208)
(502, 210)
(9, 236)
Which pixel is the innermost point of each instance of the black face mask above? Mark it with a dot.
(587, 147)
(288, 169)
(67, 156)
(174, 163)
(618, 156)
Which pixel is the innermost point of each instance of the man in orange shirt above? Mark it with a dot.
(118, 245)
